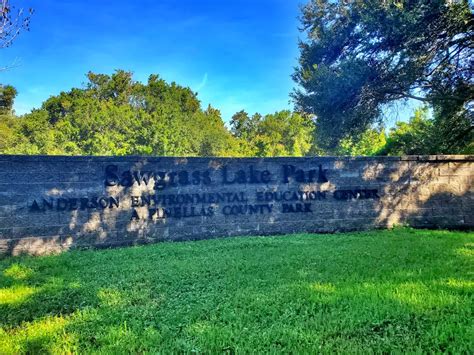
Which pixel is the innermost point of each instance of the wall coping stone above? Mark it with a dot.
(56, 158)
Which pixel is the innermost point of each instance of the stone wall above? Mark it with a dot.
(53, 203)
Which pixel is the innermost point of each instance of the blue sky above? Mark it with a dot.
(237, 54)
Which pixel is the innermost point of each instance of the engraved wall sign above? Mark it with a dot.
(53, 203)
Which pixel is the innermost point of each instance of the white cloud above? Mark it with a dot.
(202, 84)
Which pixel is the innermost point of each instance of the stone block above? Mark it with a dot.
(457, 169)
(34, 246)
(455, 157)
(409, 157)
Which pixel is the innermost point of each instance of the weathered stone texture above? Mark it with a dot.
(51, 204)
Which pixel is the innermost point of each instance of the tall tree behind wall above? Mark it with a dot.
(283, 133)
(359, 55)
(115, 115)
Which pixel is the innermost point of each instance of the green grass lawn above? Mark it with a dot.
(400, 290)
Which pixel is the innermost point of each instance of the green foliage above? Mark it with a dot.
(373, 292)
(360, 55)
(6, 132)
(411, 138)
(424, 135)
(280, 134)
(371, 142)
(115, 115)
(7, 97)
(453, 130)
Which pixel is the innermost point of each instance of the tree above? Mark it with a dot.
(283, 133)
(360, 55)
(115, 115)
(412, 137)
(7, 121)
(371, 142)
(215, 139)
(423, 135)
(244, 129)
(11, 136)
(242, 125)
(12, 22)
(7, 97)
(7, 131)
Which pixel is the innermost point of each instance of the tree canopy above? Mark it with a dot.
(116, 115)
(7, 97)
(358, 56)
(283, 133)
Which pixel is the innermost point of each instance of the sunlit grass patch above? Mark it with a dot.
(42, 335)
(15, 294)
(384, 291)
(466, 250)
(18, 271)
